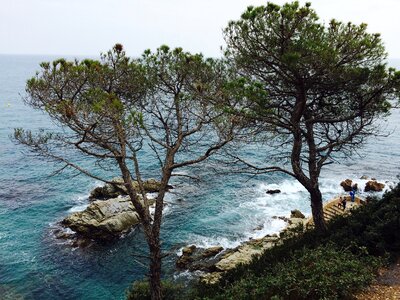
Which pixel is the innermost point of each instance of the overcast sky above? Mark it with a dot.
(88, 27)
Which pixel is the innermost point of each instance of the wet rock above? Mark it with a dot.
(189, 250)
(199, 259)
(104, 220)
(60, 234)
(259, 227)
(347, 185)
(117, 188)
(271, 192)
(364, 177)
(281, 218)
(373, 186)
(184, 261)
(354, 187)
(81, 243)
(212, 251)
(296, 214)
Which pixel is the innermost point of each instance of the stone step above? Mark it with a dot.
(338, 210)
(329, 214)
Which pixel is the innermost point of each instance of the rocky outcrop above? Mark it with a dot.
(296, 214)
(373, 186)
(364, 177)
(104, 220)
(215, 261)
(117, 188)
(198, 259)
(271, 192)
(347, 185)
(243, 254)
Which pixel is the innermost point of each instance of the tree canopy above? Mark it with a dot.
(109, 109)
(311, 91)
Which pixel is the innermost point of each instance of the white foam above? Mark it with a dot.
(257, 210)
(78, 208)
(188, 275)
(206, 242)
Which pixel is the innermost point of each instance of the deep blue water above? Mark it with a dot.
(219, 210)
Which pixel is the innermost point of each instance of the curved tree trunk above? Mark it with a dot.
(317, 210)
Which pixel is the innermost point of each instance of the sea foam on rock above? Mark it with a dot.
(215, 261)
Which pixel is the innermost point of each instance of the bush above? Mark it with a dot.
(322, 273)
(140, 290)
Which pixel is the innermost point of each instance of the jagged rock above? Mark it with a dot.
(243, 255)
(296, 214)
(273, 191)
(201, 259)
(373, 178)
(364, 177)
(212, 251)
(118, 188)
(347, 185)
(281, 218)
(373, 186)
(189, 250)
(259, 227)
(104, 220)
(184, 261)
(60, 234)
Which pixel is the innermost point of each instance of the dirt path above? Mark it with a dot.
(387, 285)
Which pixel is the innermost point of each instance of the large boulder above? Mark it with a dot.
(117, 188)
(104, 220)
(347, 185)
(373, 186)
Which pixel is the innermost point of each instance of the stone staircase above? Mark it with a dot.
(333, 209)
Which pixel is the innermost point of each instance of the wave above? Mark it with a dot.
(255, 214)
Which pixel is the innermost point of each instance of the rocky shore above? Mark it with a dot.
(109, 214)
(213, 262)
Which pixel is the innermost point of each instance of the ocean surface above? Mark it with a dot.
(219, 210)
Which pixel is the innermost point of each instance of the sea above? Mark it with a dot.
(219, 209)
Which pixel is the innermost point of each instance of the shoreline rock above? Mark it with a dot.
(104, 219)
(374, 186)
(215, 261)
(108, 191)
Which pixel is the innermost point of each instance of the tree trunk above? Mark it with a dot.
(155, 270)
(317, 210)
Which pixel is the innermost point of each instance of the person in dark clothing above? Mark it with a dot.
(342, 202)
(353, 195)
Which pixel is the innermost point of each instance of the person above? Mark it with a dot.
(353, 195)
(342, 202)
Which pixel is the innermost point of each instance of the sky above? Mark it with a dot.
(89, 27)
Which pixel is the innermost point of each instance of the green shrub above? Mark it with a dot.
(322, 273)
(140, 290)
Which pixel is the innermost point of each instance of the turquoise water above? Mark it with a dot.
(220, 209)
